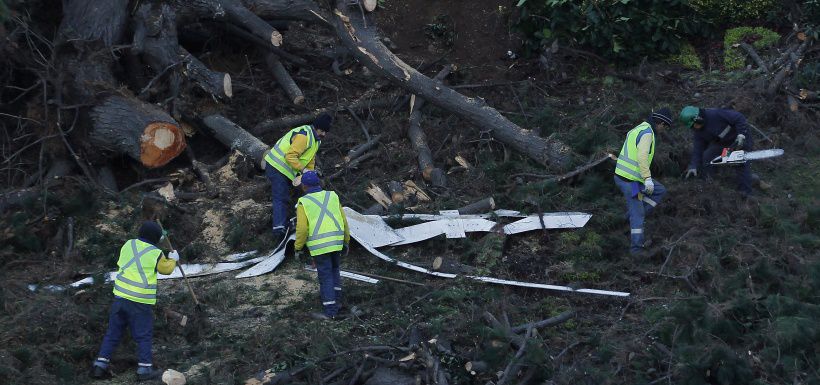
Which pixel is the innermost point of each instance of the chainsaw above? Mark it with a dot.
(729, 156)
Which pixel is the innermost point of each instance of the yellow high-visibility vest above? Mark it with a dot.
(627, 165)
(326, 233)
(137, 278)
(276, 155)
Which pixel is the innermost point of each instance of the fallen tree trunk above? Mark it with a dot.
(284, 80)
(155, 37)
(236, 138)
(366, 46)
(479, 207)
(306, 10)
(417, 137)
(234, 12)
(128, 126)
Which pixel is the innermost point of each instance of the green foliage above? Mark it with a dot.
(626, 30)
(687, 58)
(758, 37)
(723, 11)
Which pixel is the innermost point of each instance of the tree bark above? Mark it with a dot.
(284, 80)
(445, 265)
(128, 126)
(155, 36)
(236, 138)
(417, 137)
(364, 43)
(235, 12)
(479, 207)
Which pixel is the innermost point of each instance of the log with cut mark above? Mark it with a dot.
(284, 79)
(140, 130)
(236, 138)
(418, 139)
(475, 367)
(479, 207)
(446, 265)
(396, 191)
(365, 44)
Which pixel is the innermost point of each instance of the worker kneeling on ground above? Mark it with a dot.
(322, 227)
(633, 178)
(714, 129)
(135, 293)
(293, 154)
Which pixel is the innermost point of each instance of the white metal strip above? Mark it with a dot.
(551, 221)
(371, 228)
(270, 262)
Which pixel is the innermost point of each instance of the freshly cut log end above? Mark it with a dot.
(475, 367)
(298, 100)
(443, 265)
(227, 86)
(160, 143)
(276, 38)
(126, 125)
(479, 207)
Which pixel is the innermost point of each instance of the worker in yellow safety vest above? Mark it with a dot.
(293, 154)
(135, 293)
(634, 179)
(321, 227)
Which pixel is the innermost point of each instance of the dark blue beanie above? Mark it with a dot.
(310, 179)
(151, 232)
(323, 122)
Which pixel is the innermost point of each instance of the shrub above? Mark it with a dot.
(759, 38)
(687, 58)
(626, 30)
(723, 11)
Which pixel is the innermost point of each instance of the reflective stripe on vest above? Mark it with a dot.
(325, 231)
(137, 277)
(276, 155)
(627, 165)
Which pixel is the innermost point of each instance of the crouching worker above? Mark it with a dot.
(322, 227)
(135, 293)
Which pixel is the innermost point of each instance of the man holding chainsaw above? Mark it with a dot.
(135, 293)
(713, 130)
(293, 154)
(633, 178)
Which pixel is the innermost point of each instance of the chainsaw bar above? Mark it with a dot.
(740, 156)
(763, 154)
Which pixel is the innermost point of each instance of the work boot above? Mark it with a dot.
(147, 373)
(99, 373)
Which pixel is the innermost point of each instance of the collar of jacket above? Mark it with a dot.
(313, 190)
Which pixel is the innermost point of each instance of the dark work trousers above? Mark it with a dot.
(139, 318)
(637, 209)
(743, 171)
(280, 195)
(330, 282)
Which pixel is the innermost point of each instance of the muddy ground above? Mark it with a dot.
(716, 255)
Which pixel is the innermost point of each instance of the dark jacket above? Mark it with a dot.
(720, 126)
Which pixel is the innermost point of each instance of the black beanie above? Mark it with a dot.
(151, 232)
(323, 122)
(663, 115)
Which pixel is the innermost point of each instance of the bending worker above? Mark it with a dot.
(293, 154)
(322, 227)
(714, 129)
(135, 293)
(633, 177)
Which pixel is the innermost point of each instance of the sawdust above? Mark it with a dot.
(213, 234)
(225, 175)
(289, 283)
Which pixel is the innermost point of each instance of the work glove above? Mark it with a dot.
(173, 255)
(648, 186)
(691, 172)
(739, 141)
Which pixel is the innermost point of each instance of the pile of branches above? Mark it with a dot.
(423, 361)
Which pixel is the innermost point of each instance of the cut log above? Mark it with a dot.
(809, 96)
(284, 80)
(236, 138)
(291, 121)
(559, 319)
(235, 12)
(369, 5)
(794, 105)
(307, 10)
(753, 54)
(378, 195)
(475, 367)
(418, 139)
(445, 265)
(366, 46)
(789, 66)
(479, 207)
(155, 37)
(396, 192)
(145, 133)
